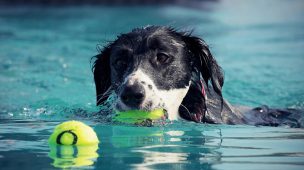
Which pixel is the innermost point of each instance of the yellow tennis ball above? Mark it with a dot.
(73, 133)
(138, 116)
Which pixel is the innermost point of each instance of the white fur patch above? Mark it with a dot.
(155, 98)
(173, 99)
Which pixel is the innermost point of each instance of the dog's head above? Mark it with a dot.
(152, 67)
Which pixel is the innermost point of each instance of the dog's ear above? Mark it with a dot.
(205, 63)
(102, 74)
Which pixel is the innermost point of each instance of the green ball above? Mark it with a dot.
(138, 116)
(73, 133)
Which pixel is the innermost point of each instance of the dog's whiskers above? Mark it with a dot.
(105, 94)
(186, 110)
(108, 105)
(147, 108)
(108, 91)
(103, 97)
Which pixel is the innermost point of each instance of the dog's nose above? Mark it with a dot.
(133, 95)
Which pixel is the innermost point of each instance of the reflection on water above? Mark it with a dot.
(179, 151)
(159, 147)
(162, 147)
(200, 147)
(73, 156)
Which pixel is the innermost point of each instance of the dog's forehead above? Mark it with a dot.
(141, 40)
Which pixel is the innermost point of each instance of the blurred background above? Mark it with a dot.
(46, 47)
(103, 2)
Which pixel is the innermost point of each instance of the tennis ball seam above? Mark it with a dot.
(58, 139)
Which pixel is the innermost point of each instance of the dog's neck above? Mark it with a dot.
(173, 98)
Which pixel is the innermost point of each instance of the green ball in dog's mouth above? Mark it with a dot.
(139, 116)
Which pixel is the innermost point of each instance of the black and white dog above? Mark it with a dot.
(159, 67)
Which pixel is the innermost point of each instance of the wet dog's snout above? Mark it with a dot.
(133, 95)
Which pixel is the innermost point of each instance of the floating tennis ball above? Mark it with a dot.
(73, 133)
(138, 116)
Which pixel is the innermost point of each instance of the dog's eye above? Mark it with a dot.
(120, 64)
(162, 58)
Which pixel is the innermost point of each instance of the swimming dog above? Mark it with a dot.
(159, 67)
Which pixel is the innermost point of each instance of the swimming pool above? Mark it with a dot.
(46, 78)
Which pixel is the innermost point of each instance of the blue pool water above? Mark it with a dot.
(45, 78)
